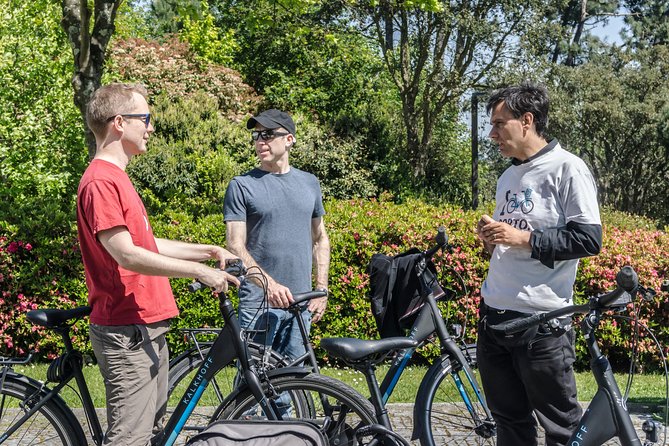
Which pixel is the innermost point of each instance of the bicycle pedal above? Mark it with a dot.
(651, 429)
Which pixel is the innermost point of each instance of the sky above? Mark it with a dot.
(610, 32)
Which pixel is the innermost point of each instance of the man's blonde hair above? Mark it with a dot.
(109, 101)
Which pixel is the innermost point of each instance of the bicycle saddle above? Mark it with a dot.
(357, 349)
(52, 318)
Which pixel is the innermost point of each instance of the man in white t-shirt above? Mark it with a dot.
(546, 217)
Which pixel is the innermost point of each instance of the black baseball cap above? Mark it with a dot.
(272, 119)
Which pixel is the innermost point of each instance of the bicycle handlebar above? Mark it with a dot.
(234, 267)
(441, 239)
(627, 280)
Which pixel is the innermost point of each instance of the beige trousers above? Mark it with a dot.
(134, 363)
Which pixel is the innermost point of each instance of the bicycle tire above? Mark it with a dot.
(53, 424)
(339, 410)
(186, 365)
(443, 416)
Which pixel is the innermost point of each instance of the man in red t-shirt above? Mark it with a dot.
(127, 269)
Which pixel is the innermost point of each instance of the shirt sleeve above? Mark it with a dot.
(581, 236)
(234, 205)
(101, 206)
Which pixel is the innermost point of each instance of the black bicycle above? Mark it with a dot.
(184, 366)
(450, 407)
(33, 413)
(607, 416)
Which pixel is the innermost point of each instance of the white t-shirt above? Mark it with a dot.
(548, 191)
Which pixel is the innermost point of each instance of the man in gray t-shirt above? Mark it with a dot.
(273, 217)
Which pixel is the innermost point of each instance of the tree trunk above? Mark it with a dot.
(88, 48)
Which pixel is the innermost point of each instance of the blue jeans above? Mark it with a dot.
(276, 328)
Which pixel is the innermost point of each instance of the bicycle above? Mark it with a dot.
(449, 394)
(33, 413)
(188, 362)
(526, 204)
(607, 415)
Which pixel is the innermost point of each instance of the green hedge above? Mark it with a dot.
(34, 273)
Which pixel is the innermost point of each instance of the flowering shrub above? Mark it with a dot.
(40, 273)
(171, 68)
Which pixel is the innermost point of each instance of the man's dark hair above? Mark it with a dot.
(521, 99)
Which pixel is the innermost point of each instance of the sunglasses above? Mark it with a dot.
(146, 117)
(266, 134)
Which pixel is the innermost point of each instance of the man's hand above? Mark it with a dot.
(217, 279)
(317, 308)
(222, 254)
(278, 296)
(499, 233)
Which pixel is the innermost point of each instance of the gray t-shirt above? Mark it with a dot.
(277, 209)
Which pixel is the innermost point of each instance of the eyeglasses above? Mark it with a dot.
(146, 117)
(266, 134)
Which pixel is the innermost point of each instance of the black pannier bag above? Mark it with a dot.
(259, 433)
(394, 291)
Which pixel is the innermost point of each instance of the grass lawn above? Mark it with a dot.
(646, 389)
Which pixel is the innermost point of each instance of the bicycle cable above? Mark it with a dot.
(256, 274)
(465, 292)
(637, 325)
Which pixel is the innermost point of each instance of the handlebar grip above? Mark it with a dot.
(234, 267)
(520, 324)
(441, 239)
(302, 297)
(627, 279)
(195, 286)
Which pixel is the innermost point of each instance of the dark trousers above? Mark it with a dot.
(534, 377)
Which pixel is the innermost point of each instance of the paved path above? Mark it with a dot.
(401, 415)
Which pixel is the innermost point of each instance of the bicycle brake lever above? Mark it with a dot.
(648, 294)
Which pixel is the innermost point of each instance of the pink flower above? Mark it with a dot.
(13, 247)
(28, 247)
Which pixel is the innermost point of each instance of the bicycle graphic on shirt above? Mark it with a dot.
(526, 204)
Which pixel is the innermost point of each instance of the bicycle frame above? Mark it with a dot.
(607, 415)
(219, 356)
(309, 356)
(428, 321)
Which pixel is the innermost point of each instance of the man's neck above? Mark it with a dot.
(533, 146)
(112, 154)
(279, 167)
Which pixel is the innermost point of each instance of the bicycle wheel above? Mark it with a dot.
(186, 366)
(449, 410)
(339, 410)
(52, 424)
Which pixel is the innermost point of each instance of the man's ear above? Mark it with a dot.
(527, 119)
(290, 141)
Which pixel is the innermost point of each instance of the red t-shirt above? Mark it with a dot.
(106, 199)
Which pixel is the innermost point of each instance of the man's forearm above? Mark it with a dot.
(322, 261)
(572, 241)
(186, 251)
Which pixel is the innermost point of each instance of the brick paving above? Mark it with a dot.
(401, 416)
